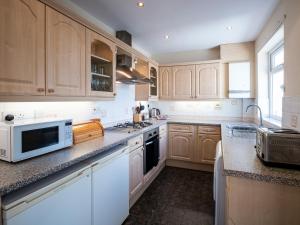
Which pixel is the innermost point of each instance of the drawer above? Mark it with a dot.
(135, 142)
(181, 128)
(209, 129)
(163, 129)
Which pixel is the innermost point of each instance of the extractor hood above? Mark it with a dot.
(126, 74)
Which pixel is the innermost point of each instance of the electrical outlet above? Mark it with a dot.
(294, 121)
(234, 102)
(218, 106)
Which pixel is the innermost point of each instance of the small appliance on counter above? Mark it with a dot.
(24, 139)
(87, 131)
(279, 147)
(154, 112)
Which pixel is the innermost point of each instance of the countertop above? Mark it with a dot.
(239, 157)
(240, 160)
(14, 176)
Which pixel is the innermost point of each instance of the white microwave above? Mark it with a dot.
(26, 139)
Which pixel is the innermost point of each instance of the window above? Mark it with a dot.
(276, 81)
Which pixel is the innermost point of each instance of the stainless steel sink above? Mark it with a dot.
(242, 130)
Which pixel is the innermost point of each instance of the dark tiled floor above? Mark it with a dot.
(176, 197)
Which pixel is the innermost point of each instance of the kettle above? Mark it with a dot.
(154, 112)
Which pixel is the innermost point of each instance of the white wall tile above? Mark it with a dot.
(110, 112)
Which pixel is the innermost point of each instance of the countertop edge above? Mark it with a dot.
(262, 178)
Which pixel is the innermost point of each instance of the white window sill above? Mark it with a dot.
(269, 122)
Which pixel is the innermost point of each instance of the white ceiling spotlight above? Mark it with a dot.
(166, 36)
(229, 28)
(140, 4)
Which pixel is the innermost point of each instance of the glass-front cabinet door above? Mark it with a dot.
(154, 81)
(101, 65)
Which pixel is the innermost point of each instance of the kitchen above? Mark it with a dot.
(124, 112)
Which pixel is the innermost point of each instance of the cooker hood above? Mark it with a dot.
(126, 74)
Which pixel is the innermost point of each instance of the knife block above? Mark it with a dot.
(137, 118)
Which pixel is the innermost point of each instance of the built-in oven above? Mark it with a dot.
(151, 149)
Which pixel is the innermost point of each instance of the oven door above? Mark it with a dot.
(36, 139)
(151, 154)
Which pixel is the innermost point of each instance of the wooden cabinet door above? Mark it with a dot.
(22, 47)
(153, 87)
(65, 55)
(183, 82)
(163, 146)
(207, 80)
(136, 173)
(103, 51)
(181, 146)
(165, 82)
(142, 91)
(205, 150)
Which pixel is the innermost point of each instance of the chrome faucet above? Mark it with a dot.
(260, 114)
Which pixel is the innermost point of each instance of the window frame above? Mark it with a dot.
(272, 70)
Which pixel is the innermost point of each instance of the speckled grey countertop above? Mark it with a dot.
(240, 160)
(14, 176)
(239, 156)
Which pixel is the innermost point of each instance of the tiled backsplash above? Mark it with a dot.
(110, 112)
(216, 108)
(291, 113)
(120, 110)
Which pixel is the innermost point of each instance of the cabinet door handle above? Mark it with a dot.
(50, 90)
(41, 89)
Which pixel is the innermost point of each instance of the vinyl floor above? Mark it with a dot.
(176, 197)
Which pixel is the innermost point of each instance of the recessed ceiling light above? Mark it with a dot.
(229, 28)
(166, 37)
(140, 4)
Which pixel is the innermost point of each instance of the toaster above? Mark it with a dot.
(278, 146)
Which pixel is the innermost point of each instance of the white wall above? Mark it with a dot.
(213, 109)
(291, 101)
(110, 112)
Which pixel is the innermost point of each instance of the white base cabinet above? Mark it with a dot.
(65, 202)
(110, 189)
(95, 195)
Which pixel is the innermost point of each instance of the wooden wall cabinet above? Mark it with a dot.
(142, 90)
(207, 81)
(22, 47)
(191, 82)
(100, 66)
(65, 55)
(183, 82)
(165, 83)
(136, 171)
(153, 87)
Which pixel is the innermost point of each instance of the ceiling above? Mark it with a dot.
(190, 24)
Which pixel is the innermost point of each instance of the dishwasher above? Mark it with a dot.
(110, 188)
(64, 202)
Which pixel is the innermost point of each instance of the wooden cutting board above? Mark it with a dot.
(87, 131)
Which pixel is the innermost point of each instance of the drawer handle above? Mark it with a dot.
(41, 89)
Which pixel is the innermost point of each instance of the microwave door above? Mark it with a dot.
(36, 139)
